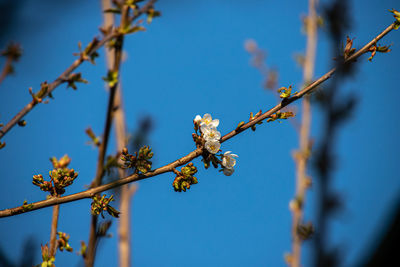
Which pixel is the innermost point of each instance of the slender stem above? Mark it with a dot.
(127, 191)
(194, 154)
(91, 250)
(53, 233)
(301, 157)
(61, 79)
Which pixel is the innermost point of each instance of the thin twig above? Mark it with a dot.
(127, 191)
(61, 79)
(53, 233)
(91, 249)
(195, 153)
(302, 155)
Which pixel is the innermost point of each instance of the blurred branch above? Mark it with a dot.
(12, 53)
(302, 155)
(6, 69)
(335, 109)
(64, 76)
(197, 152)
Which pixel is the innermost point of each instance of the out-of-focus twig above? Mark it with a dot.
(115, 68)
(302, 155)
(12, 53)
(335, 109)
(124, 227)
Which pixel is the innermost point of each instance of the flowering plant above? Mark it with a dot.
(210, 138)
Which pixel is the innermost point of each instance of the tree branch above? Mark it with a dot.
(302, 155)
(61, 79)
(53, 232)
(124, 227)
(127, 191)
(91, 249)
(195, 153)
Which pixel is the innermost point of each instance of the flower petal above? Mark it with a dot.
(197, 119)
(212, 146)
(214, 123)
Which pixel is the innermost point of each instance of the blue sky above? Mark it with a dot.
(192, 61)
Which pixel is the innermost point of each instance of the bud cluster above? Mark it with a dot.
(101, 204)
(184, 179)
(280, 116)
(396, 15)
(47, 259)
(111, 78)
(382, 49)
(253, 117)
(26, 206)
(38, 97)
(89, 53)
(75, 78)
(62, 242)
(60, 177)
(285, 92)
(140, 161)
(348, 49)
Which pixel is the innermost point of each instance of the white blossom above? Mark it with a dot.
(212, 146)
(197, 119)
(228, 160)
(210, 133)
(207, 120)
(228, 171)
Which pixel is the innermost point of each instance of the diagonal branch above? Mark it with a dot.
(61, 79)
(195, 153)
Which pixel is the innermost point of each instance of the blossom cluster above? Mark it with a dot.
(211, 136)
(208, 128)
